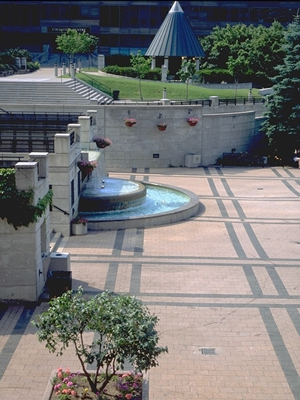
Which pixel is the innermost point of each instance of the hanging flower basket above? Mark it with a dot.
(101, 143)
(162, 126)
(129, 121)
(87, 167)
(192, 121)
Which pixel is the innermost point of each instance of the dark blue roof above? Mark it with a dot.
(175, 37)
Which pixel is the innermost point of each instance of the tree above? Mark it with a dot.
(141, 67)
(238, 67)
(186, 72)
(124, 327)
(282, 125)
(258, 48)
(74, 42)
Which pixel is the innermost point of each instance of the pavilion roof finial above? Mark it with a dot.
(176, 7)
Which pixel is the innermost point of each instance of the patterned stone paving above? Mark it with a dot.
(225, 286)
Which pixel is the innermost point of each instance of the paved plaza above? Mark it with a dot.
(225, 286)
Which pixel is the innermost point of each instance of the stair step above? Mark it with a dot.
(55, 242)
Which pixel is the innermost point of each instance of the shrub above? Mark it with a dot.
(124, 326)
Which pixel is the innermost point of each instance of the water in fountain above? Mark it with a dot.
(110, 200)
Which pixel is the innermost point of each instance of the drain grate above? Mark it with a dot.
(208, 351)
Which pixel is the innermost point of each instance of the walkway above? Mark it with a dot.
(225, 286)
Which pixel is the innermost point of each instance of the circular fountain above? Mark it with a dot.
(110, 203)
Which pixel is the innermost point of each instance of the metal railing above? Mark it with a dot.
(95, 84)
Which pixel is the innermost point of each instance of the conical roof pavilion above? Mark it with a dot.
(175, 37)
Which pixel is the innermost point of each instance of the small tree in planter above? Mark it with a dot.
(124, 326)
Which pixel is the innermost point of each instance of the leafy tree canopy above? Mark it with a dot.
(282, 125)
(74, 42)
(141, 67)
(186, 72)
(124, 326)
(245, 50)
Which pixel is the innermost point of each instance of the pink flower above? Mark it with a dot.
(73, 393)
(128, 396)
(57, 393)
(59, 375)
(59, 369)
(70, 383)
(65, 391)
(67, 371)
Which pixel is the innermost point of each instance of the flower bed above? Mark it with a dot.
(65, 385)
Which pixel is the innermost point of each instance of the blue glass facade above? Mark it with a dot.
(125, 26)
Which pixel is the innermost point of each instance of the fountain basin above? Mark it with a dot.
(173, 205)
(117, 194)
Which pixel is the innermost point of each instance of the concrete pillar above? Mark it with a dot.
(164, 72)
(101, 61)
(197, 62)
(164, 100)
(85, 122)
(214, 101)
(26, 175)
(166, 62)
(18, 62)
(55, 70)
(72, 71)
(153, 63)
(24, 63)
(64, 68)
(93, 114)
(43, 163)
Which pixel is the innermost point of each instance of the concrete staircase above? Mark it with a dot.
(89, 92)
(27, 92)
(68, 92)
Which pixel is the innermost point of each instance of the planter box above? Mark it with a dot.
(49, 388)
(79, 229)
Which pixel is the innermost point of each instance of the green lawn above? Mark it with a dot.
(152, 90)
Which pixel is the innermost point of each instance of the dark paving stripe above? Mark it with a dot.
(277, 282)
(14, 339)
(295, 317)
(290, 187)
(255, 242)
(222, 208)
(111, 276)
(118, 245)
(213, 187)
(219, 171)
(282, 353)
(253, 282)
(206, 170)
(239, 209)
(139, 242)
(114, 265)
(135, 282)
(235, 241)
(227, 187)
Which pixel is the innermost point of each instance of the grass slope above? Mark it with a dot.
(153, 90)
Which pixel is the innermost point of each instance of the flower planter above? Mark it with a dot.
(79, 229)
(130, 124)
(49, 392)
(191, 123)
(162, 128)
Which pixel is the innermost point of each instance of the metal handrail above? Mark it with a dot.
(65, 212)
(96, 84)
